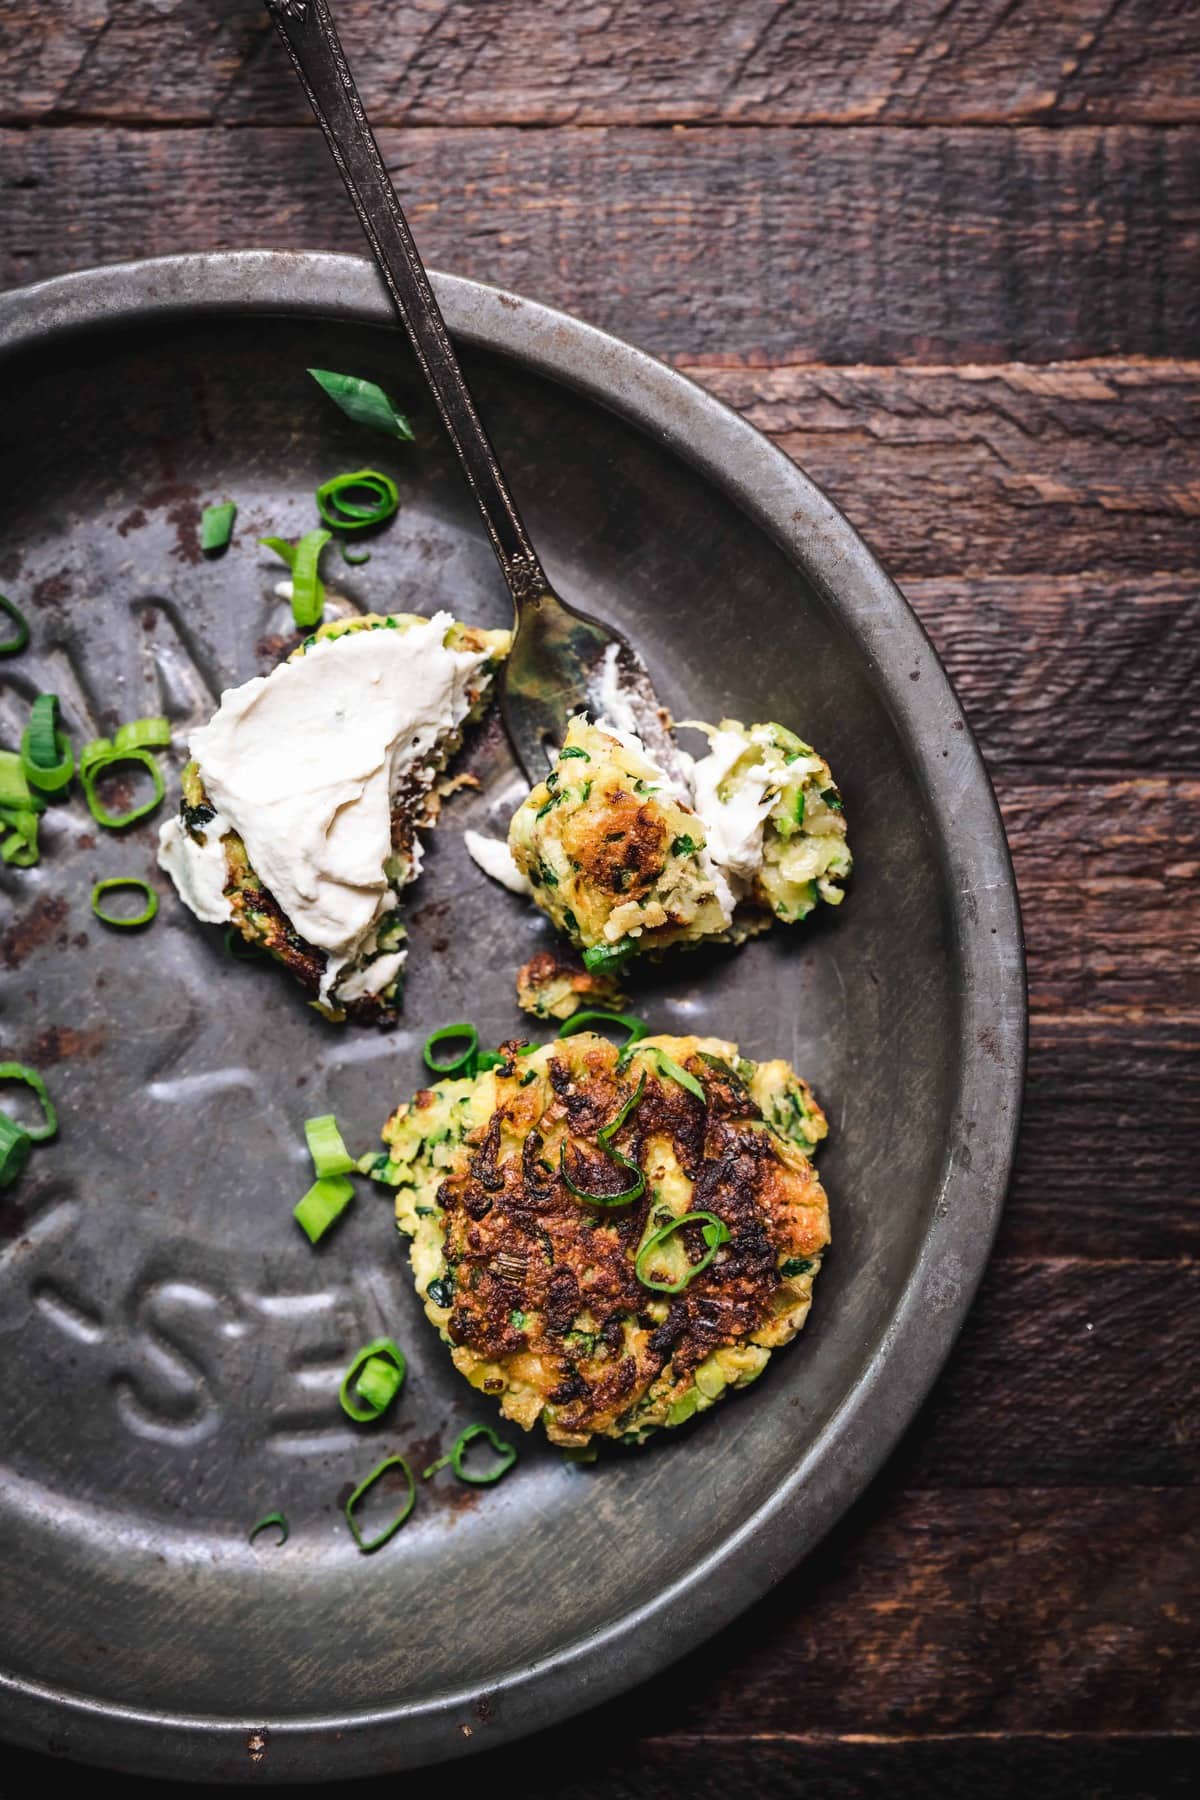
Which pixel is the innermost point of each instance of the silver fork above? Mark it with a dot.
(558, 652)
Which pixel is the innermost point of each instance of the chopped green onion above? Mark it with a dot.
(94, 762)
(604, 1139)
(324, 1203)
(304, 559)
(153, 733)
(216, 526)
(14, 784)
(367, 1545)
(134, 919)
(608, 956)
(13, 1071)
(20, 848)
(329, 1154)
(376, 1376)
(337, 508)
(15, 1145)
(573, 750)
(276, 1521)
(364, 402)
(582, 1021)
(9, 646)
(796, 1265)
(504, 1451)
(39, 745)
(668, 1066)
(714, 1231)
(683, 845)
(355, 558)
(463, 1064)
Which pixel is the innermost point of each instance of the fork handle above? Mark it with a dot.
(308, 31)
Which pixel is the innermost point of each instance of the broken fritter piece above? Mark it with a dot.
(554, 984)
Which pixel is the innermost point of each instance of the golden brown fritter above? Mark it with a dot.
(558, 1304)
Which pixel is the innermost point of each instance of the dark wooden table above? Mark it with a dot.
(946, 255)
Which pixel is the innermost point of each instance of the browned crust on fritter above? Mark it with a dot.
(519, 1241)
(629, 857)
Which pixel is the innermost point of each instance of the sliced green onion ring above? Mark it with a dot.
(153, 733)
(368, 1545)
(715, 1233)
(15, 1145)
(463, 1064)
(39, 746)
(216, 526)
(308, 590)
(635, 1028)
(365, 402)
(329, 1154)
(505, 1451)
(337, 508)
(324, 1203)
(112, 885)
(10, 645)
(356, 558)
(20, 848)
(14, 783)
(376, 1375)
(14, 1071)
(269, 1521)
(98, 764)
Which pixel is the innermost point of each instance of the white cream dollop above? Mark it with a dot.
(494, 857)
(303, 764)
(733, 826)
(198, 870)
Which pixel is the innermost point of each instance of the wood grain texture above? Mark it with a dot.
(995, 470)
(453, 62)
(1067, 1374)
(1089, 673)
(1110, 1134)
(839, 245)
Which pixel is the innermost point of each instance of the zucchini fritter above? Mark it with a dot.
(560, 1305)
(627, 860)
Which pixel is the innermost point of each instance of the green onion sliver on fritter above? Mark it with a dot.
(216, 526)
(714, 1231)
(607, 957)
(46, 754)
(329, 1154)
(668, 1066)
(271, 1521)
(367, 1545)
(125, 921)
(10, 645)
(364, 402)
(324, 1203)
(633, 1027)
(465, 1063)
(456, 1458)
(376, 1376)
(604, 1138)
(339, 507)
(15, 1145)
(14, 1071)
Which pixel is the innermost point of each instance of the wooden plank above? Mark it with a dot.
(1067, 1374)
(630, 62)
(995, 470)
(1087, 673)
(1107, 875)
(842, 245)
(1107, 1160)
(1004, 1611)
(598, 1755)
